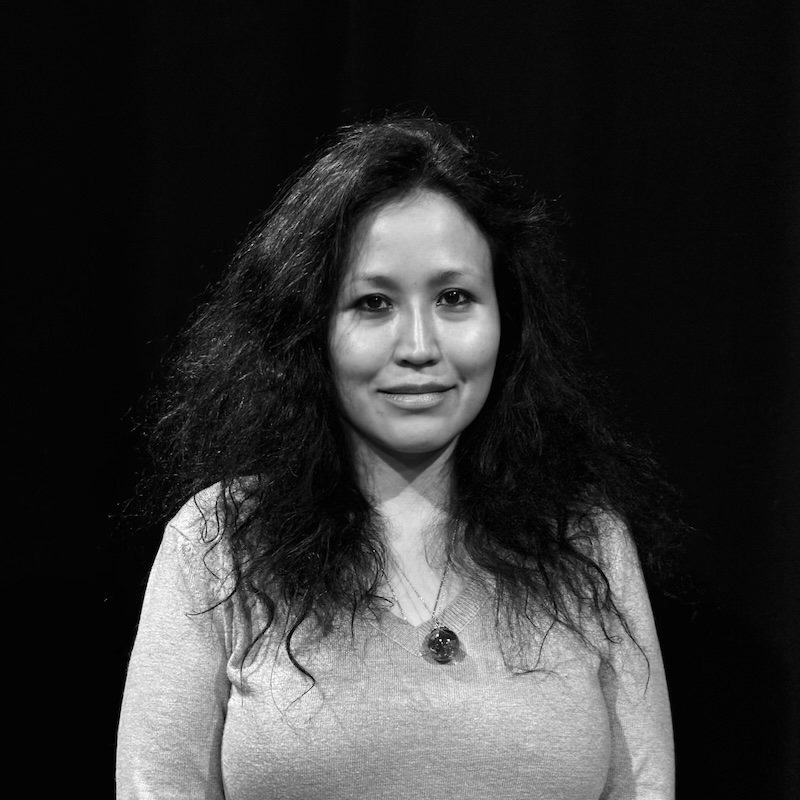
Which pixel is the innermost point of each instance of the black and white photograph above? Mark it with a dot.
(410, 400)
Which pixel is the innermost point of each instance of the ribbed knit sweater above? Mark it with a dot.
(204, 718)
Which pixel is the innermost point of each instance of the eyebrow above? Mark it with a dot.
(442, 277)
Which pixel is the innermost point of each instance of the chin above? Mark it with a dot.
(417, 449)
(402, 445)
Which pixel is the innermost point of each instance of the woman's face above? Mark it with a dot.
(415, 329)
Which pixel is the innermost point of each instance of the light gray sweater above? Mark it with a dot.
(201, 718)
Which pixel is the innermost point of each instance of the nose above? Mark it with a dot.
(417, 338)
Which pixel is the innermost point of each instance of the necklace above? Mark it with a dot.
(442, 643)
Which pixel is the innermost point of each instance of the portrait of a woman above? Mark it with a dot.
(407, 543)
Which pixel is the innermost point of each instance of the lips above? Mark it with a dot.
(417, 396)
(416, 388)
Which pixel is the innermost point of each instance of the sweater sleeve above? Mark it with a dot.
(635, 687)
(176, 691)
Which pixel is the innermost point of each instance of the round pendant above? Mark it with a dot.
(443, 644)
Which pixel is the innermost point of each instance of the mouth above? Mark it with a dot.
(416, 388)
(417, 397)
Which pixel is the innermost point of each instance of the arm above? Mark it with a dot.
(173, 709)
(634, 683)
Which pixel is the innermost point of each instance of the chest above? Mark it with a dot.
(381, 722)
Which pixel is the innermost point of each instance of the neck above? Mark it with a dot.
(408, 490)
(412, 497)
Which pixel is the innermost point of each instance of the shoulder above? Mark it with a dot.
(617, 556)
(203, 518)
(605, 537)
(200, 520)
(615, 543)
(194, 540)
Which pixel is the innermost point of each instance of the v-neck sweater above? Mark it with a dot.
(203, 716)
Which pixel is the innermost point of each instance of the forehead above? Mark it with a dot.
(420, 229)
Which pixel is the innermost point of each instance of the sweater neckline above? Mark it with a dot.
(461, 610)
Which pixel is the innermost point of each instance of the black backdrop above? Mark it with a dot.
(152, 134)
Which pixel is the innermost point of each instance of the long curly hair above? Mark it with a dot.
(248, 403)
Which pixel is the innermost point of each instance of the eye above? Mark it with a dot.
(372, 303)
(454, 297)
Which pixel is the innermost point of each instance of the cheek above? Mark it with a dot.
(354, 360)
(477, 353)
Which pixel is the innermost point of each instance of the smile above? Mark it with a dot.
(416, 399)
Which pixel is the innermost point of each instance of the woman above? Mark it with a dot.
(414, 574)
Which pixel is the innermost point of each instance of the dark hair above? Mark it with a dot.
(249, 403)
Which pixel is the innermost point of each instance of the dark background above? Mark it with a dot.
(151, 134)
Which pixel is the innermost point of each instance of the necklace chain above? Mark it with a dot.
(414, 589)
(442, 644)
